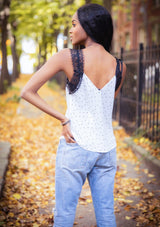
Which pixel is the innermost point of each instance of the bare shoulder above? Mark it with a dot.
(64, 57)
(63, 54)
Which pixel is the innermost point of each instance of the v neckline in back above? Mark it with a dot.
(95, 85)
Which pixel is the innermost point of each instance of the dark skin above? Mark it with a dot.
(102, 64)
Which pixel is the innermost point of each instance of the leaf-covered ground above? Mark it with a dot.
(28, 196)
(152, 147)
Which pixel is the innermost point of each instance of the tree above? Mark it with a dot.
(12, 37)
(107, 4)
(31, 15)
(5, 78)
(43, 20)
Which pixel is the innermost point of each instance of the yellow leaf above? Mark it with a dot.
(11, 214)
(150, 194)
(137, 187)
(144, 211)
(124, 200)
(16, 196)
(127, 217)
(83, 203)
(150, 175)
(89, 200)
(135, 140)
(142, 140)
(124, 165)
(151, 218)
(35, 225)
(146, 171)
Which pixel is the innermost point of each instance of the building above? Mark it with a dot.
(136, 21)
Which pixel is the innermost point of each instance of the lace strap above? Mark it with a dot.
(118, 73)
(77, 62)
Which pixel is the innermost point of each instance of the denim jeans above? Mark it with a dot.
(73, 165)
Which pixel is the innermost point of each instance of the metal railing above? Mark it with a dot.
(137, 105)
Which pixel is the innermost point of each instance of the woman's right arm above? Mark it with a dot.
(55, 64)
(48, 70)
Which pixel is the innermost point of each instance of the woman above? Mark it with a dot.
(87, 147)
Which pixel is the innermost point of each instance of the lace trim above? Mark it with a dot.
(118, 73)
(77, 62)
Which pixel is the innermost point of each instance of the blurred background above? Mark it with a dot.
(31, 31)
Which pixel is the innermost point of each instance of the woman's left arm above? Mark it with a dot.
(47, 71)
(123, 76)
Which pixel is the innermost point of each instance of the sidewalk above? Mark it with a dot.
(143, 153)
(29, 199)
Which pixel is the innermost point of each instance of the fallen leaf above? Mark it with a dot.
(16, 196)
(150, 175)
(127, 217)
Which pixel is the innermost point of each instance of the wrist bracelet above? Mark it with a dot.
(65, 122)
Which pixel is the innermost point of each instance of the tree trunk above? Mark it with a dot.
(39, 58)
(45, 52)
(5, 79)
(44, 47)
(66, 35)
(88, 1)
(55, 34)
(107, 4)
(15, 73)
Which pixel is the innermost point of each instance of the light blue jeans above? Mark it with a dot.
(73, 165)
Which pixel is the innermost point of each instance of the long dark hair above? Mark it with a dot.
(97, 23)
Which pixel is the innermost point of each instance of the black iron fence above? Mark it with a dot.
(137, 106)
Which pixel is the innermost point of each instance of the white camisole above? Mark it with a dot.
(90, 111)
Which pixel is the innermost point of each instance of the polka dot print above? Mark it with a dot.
(90, 111)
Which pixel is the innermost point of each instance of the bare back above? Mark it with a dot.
(99, 66)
